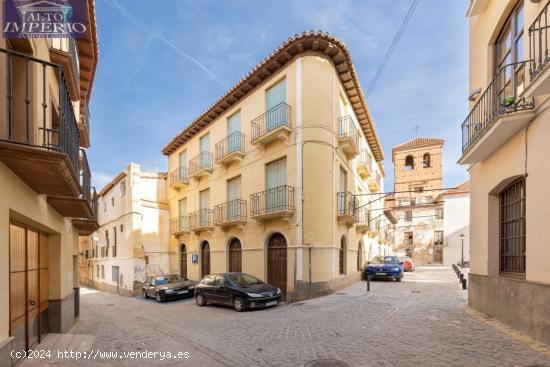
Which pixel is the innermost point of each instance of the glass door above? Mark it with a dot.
(233, 194)
(276, 179)
(204, 202)
(275, 96)
(233, 128)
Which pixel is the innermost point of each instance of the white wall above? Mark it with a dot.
(456, 221)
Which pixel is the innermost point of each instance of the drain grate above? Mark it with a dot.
(326, 363)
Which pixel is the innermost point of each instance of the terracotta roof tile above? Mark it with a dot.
(460, 189)
(420, 142)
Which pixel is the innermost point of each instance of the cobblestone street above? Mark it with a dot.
(423, 321)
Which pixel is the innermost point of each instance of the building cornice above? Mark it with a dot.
(316, 42)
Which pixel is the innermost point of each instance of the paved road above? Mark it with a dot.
(422, 321)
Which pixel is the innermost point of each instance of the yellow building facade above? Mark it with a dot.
(274, 179)
(46, 200)
(505, 143)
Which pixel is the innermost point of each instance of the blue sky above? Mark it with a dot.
(163, 62)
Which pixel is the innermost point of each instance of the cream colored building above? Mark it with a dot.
(456, 224)
(506, 139)
(418, 171)
(265, 180)
(46, 200)
(132, 241)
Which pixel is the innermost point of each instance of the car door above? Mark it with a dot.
(207, 284)
(150, 287)
(220, 291)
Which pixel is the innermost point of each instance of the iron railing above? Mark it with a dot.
(272, 119)
(75, 64)
(28, 107)
(234, 142)
(347, 129)
(201, 218)
(234, 210)
(538, 43)
(85, 177)
(179, 175)
(86, 121)
(273, 200)
(365, 159)
(363, 217)
(502, 96)
(94, 203)
(179, 224)
(347, 203)
(201, 161)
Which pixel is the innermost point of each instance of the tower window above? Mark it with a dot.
(426, 160)
(409, 162)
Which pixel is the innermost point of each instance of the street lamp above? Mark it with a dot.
(462, 236)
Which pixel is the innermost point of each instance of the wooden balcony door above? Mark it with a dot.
(276, 177)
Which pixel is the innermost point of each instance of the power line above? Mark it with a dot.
(392, 46)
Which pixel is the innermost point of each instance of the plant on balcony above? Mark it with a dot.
(508, 102)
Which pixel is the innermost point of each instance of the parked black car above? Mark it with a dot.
(167, 287)
(239, 290)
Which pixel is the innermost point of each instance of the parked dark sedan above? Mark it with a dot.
(384, 267)
(167, 287)
(239, 290)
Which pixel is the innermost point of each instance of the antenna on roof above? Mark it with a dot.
(416, 128)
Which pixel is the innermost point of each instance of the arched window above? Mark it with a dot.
(342, 255)
(183, 261)
(426, 160)
(512, 228)
(409, 162)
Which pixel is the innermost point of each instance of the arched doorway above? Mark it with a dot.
(183, 261)
(359, 256)
(205, 259)
(341, 256)
(235, 255)
(276, 261)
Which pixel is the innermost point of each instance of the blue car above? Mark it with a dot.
(388, 267)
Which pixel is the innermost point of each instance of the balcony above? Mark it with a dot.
(363, 220)
(538, 54)
(232, 213)
(272, 125)
(64, 52)
(230, 149)
(179, 225)
(87, 226)
(84, 127)
(277, 202)
(201, 220)
(348, 137)
(374, 182)
(201, 165)
(364, 164)
(39, 141)
(499, 114)
(477, 7)
(179, 178)
(347, 204)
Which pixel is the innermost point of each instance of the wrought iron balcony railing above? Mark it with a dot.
(232, 211)
(94, 201)
(539, 43)
(233, 143)
(201, 161)
(502, 96)
(363, 218)
(28, 108)
(85, 177)
(277, 199)
(365, 159)
(179, 176)
(274, 118)
(347, 204)
(200, 219)
(347, 129)
(179, 224)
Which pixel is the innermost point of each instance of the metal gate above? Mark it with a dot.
(235, 256)
(205, 258)
(277, 262)
(28, 286)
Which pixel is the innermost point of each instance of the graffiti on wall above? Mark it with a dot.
(142, 271)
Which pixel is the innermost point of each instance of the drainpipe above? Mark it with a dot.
(299, 178)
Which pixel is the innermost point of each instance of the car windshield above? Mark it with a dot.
(244, 280)
(168, 279)
(385, 260)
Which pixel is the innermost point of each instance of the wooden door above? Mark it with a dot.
(235, 256)
(277, 262)
(205, 259)
(183, 261)
(438, 254)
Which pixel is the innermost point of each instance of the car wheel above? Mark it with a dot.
(201, 301)
(145, 296)
(238, 304)
(399, 278)
(158, 297)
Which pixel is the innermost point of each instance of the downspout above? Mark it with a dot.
(299, 178)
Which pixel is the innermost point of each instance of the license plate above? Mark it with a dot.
(184, 291)
(272, 303)
(380, 273)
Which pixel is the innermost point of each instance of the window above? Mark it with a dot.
(107, 237)
(121, 228)
(512, 228)
(102, 251)
(341, 256)
(409, 162)
(409, 252)
(426, 160)
(438, 238)
(104, 207)
(97, 270)
(408, 215)
(123, 188)
(408, 238)
(219, 281)
(439, 213)
(102, 272)
(114, 242)
(112, 201)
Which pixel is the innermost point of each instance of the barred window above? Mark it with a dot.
(438, 238)
(512, 228)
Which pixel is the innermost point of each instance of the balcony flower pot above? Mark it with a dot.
(508, 102)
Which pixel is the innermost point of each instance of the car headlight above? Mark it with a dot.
(395, 269)
(279, 291)
(254, 295)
